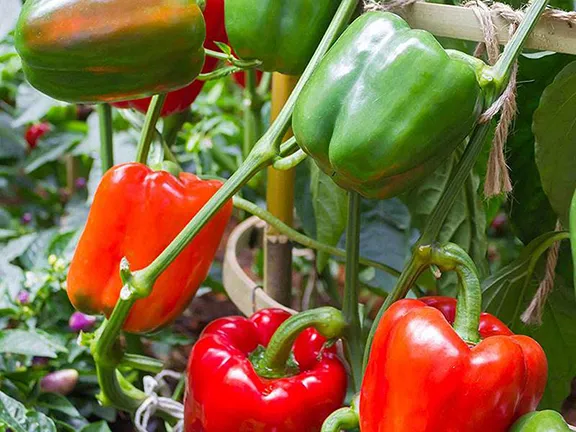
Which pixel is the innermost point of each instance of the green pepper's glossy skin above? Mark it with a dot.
(541, 421)
(110, 50)
(283, 34)
(387, 105)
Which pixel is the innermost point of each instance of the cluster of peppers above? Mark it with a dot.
(435, 364)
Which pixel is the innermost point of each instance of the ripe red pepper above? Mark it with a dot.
(136, 213)
(35, 132)
(225, 392)
(422, 377)
(179, 100)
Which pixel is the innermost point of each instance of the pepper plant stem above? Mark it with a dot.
(353, 341)
(328, 321)
(106, 140)
(149, 128)
(262, 155)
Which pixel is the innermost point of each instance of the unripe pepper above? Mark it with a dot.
(541, 421)
(113, 50)
(136, 213)
(180, 100)
(231, 387)
(283, 34)
(388, 105)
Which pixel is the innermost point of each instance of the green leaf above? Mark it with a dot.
(529, 211)
(465, 224)
(52, 148)
(508, 293)
(29, 342)
(330, 203)
(32, 104)
(101, 426)
(18, 418)
(56, 402)
(555, 131)
(303, 200)
(12, 144)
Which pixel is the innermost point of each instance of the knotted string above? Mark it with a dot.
(154, 403)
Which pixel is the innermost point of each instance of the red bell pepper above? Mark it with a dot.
(235, 385)
(424, 375)
(136, 213)
(179, 100)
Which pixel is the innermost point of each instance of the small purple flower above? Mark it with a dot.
(26, 218)
(81, 322)
(23, 297)
(61, 382)
(80, 183)
(40, 361)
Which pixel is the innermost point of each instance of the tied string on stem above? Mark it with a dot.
(497, 177)
(155, 403)
(534, 311)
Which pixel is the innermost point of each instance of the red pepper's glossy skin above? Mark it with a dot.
(35, 132)
(422, 377)
(224, 393)
(136, 213)
(180, 100)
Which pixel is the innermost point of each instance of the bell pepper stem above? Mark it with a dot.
(149, 128)
(513, 48)
(261, 156)
(142, 363)
(328, 321)
(291, 161)
(449, 257)
(106, 140)
(353, 346)
(344, 418)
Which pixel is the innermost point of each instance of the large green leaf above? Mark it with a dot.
(529, 209)
(508, 293)
(465, 224)
(16, 417)
(29, 342)
(555, 131)
(330, 203)
(54, 146)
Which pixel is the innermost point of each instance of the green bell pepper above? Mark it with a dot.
(113, 50)
(388, 105)
(283, 34)
(541, 421)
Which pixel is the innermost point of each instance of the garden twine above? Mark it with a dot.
(497, 175)
(154, 403)
(534, 311)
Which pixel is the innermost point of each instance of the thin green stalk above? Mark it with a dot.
(353, 342)
(288, 147)
(302, 239)
(252, 109)
(512, 50)
(172, 125)
(149, 129)
(143, 363)
(291, 161)
(262, 155)
(106, 140)
(342, 419)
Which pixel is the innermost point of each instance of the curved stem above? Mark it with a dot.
(353, 343)
(143, 363)
(291, 161)
(262, 155)
(106, 137)
(149, 128)
(302, 239)
(344, 418)
(219, 73)
(328, 321)
(288, 147)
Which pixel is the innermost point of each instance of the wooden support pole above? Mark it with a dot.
(280, 202)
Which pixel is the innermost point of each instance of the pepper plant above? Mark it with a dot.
(388, 125)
